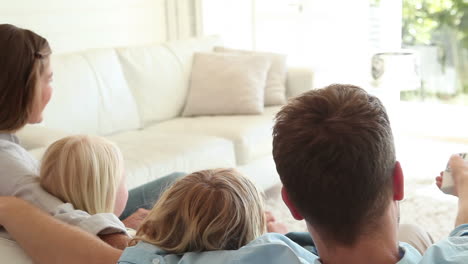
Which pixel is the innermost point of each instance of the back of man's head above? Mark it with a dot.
(334, 152)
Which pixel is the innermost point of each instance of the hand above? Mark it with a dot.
(117, 240)
(273, 226)
(460, 178)
(459, 173)
(438, 181)
(134, 221)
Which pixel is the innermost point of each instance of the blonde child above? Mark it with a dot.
(86, 171)
(206, 210)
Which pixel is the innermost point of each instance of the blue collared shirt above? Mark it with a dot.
(269, 248)
(274, 248)
(452, 250)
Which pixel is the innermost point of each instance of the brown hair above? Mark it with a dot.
(334, 152)
(23, 57)
(206, 210)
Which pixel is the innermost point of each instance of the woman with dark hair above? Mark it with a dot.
(25, 90)
(25, 77)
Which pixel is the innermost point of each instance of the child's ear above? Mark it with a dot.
(292, 207)
(398, 183)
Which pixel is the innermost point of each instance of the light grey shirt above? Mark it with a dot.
(19, 177)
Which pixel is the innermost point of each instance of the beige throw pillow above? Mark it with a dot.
(226, 84)
(275, 88)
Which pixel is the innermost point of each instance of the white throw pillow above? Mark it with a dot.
(275, 87)
(226, 84)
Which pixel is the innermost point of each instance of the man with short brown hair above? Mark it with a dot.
(335, 155)
(335, 145)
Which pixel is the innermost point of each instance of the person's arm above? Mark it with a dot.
(459, 173)
(119, 240)
(18, 178)
(48, 240)
(459, 170)
(462, 216)
(134, 220)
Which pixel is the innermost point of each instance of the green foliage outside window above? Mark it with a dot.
(442, 23)
(423, 18)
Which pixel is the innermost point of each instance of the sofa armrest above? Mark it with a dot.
(11, 252)
(34, 136)
(298, 81)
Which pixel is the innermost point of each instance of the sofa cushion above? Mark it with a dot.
(299, 80)
(36, 136)
(226, 84)
(11, 252)
(150, 155)
(90, 95)
(156, 79)
(184, 50)
(262, 171)
(117, 108)
(74, 104)
(275, 86)
(251, 134)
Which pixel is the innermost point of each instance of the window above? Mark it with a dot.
(438, 30)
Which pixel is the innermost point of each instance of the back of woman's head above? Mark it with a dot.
(83, 170)
(206, 210)
(23, 58)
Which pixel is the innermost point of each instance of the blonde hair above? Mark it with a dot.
(84, 171)
(206, 210)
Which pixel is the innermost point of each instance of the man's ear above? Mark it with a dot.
(398, 183)
(291, 206)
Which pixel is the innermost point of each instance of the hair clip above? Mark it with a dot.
(38, 55)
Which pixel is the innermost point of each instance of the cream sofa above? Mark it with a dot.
(134, 96)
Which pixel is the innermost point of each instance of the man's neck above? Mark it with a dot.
(379, 247)
(365, 251)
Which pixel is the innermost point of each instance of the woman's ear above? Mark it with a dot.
(398, 183)
(292, 208)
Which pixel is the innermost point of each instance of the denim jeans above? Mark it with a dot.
(146, 195)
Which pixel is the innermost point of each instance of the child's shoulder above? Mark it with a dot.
(269, 248)
(141, 253)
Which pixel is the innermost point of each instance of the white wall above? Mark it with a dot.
(232, 20)
(336, 38)
(331, 36)
(280, 27)
(72, 25)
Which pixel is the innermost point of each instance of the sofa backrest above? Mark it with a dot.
(158, 75)
(155, 78)
(90, 95)
(110, 90)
